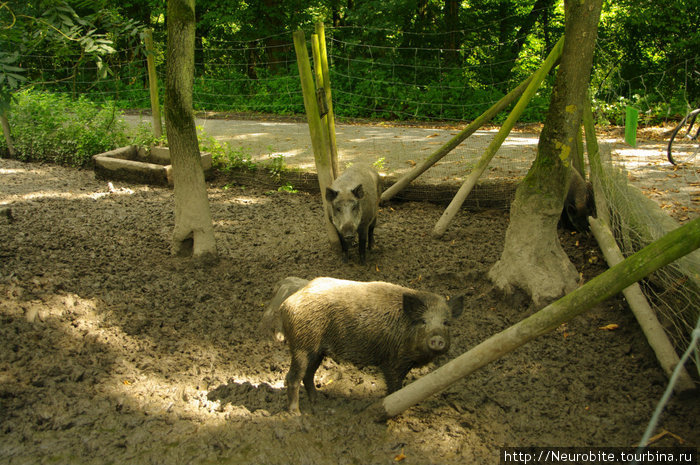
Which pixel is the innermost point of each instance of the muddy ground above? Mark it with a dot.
(112, 351)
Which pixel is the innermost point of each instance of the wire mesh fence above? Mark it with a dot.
(427, 98)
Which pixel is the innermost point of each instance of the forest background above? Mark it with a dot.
(424, 60)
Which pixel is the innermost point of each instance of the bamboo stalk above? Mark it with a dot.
(330, 117)
(495, 144)
(319, 142)
(670, 247)
(153, 84)
(6, 132)
(596, 164)
(321, 98)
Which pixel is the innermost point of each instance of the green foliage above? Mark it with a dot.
(54, 128)
(276, 166)
(56, 35)
(142, 135)
(288, 188)
(224, 157)
(393, 59)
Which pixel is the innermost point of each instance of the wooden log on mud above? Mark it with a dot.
(672, 246)
(486, 195)
(652, 329)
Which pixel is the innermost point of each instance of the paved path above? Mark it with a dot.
(677, 190)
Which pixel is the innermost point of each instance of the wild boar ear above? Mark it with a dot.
(358, 191)
(331, 194)
(456, 305)
(413, 306)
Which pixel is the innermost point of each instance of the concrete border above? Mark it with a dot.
(137, 164)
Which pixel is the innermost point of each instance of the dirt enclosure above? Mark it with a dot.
(115, 352)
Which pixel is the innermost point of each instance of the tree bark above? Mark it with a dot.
(194, 232)
(453, 40)
(533, 259)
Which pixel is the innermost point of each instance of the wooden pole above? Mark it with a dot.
(319, 142)
(670, 247)
(6, 132)
(491, 150)
(485, 117)
(596, 164)
(153, 84)
(321, 99)
(652, 329)
(330, 117)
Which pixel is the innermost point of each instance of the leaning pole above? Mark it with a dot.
(670, 247)
(493, 147)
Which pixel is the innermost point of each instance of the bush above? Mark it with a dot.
(54, 128)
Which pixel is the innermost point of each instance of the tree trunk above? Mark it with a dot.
(194, 233)
(452, 26)
(533, 259)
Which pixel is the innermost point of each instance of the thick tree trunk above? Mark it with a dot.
(533, 259)
(194, 233)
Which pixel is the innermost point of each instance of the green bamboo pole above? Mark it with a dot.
(321, 94)
(6, 132)
(319, 142)
(153, 84)
(485, 117)
(330, 117)
(470, 182)
(596, 164)
(670, 247)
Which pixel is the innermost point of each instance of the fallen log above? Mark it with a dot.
(670, 247)
(652, 329)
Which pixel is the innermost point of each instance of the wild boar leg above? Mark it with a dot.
(370, 243)
(363, 244)
(293, 380)
(314, 361)
(346, 248)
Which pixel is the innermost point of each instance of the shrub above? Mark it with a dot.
(54, 128)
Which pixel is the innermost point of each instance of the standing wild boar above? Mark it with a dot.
(367, 324)
(579, 203)
(351, 202)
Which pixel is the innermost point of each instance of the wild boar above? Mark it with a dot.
(352, 201)
(367, 324)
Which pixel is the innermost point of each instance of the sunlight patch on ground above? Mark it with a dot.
(147, 392)
(73, 196)
(268, 156)
(250, 135)
(223, 196)
(11, 171)
(521, 141)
